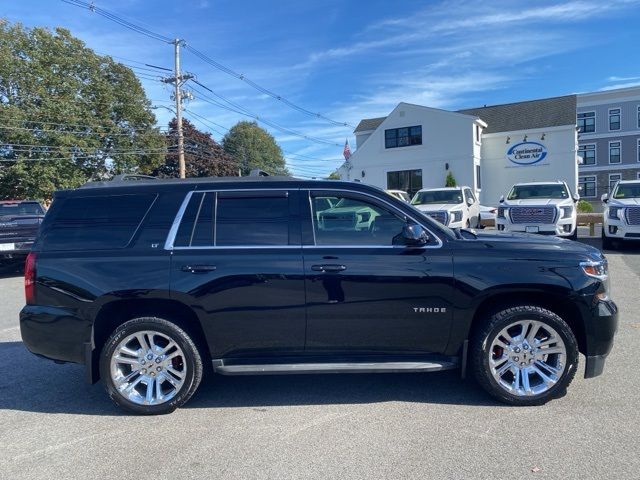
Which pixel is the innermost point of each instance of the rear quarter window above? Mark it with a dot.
(96, 222)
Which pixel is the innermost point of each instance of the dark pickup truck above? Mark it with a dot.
(149, 283)
(19, 223)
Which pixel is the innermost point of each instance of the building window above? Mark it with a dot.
(587, 122)
(638, 150)
(409, 181)
(613, 178)
(588, 154)
(638, 116)
(614, 152)
(479, 178)
(587, 186)
(403, 137)
(614, 119)
(478, 133)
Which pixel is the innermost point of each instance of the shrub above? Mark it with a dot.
(450, 181)
(584, 207)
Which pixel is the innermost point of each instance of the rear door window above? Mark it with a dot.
(97, 222)
(252, 219)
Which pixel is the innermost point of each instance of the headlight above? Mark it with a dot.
(501, 212)
(566, 212)
(599, 270)
(456, 216)
(615, 212)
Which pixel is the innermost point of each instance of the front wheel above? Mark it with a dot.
(150, 366)
(607, 243)
(524, 355)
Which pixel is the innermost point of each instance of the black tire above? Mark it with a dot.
(484, 336)
(192, 364)
(607, 243)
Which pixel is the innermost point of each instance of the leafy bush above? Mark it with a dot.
(584, 207)
(450, 181)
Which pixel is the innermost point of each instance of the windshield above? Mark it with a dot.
(627, 190)
(21, 209)
(437, 196)
(526, 192)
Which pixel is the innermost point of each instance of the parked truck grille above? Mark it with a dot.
(532, 214)
(633, 215)
(439, 216)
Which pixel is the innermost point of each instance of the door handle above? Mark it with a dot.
(198, 268)
(328, 268)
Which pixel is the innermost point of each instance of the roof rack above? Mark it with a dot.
(132, 176)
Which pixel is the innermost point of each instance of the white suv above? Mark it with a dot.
(539, 207)
(621, 213)
(456, 207)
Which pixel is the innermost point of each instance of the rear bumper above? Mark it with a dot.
(600, 329)
(54, 333)
(14, 249)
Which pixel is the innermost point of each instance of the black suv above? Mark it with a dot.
(149, 283)
(19, 222)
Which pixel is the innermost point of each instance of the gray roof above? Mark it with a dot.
(547, 112)
(369, 124)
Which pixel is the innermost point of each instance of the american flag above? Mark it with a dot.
(346, 151)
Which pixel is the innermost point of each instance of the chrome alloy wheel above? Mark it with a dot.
(527, 358)
(148, 368)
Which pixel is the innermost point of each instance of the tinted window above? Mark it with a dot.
(627, 190)
(252, 220)
(353, 221)
(196, 228)
(104, 222)
(23, 208)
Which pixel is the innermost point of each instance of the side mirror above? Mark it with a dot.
(469, 201)
(414, 235)
(501, 199)
(604, 197)
(575, 197)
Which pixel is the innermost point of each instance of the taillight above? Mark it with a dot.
(30, 279)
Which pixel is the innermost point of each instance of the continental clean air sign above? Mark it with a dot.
(526, 153)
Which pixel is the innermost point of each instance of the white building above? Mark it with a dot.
(488, 148)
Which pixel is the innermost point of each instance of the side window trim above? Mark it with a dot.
(387, 205)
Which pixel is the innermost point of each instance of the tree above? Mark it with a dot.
(253, 147)
(584, 207)
(68, 115)
(450, 181)
(204, 157)
(334, 176)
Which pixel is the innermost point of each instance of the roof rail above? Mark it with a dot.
(132, 176)
(256, 172)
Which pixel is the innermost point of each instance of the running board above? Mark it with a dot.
(331, 367)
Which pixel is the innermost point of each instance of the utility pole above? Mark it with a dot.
(178, 80)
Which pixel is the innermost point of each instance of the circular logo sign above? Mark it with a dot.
(527, 153)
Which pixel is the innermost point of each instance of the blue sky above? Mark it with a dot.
(357, 59)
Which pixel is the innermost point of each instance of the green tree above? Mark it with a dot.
(450, 181)
(203, 156)
(68, 115)
(253, 147)
(334, 176)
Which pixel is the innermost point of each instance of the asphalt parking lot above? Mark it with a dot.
(334, 426)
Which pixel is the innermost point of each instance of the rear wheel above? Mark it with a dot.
(150, 366)
(524, 355)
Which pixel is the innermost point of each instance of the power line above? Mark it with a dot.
(219, 66)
